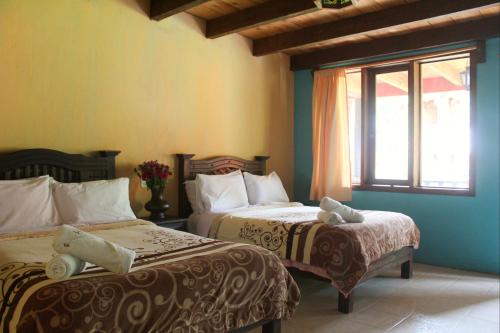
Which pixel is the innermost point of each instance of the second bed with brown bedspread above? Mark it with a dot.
(341, 253)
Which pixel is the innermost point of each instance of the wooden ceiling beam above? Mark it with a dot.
(160, 9)
(456, 33)
(407, 13)
(264, 13)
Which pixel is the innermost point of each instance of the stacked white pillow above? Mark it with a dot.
(37, 203)
(218, 193)
(222, 192)
(26, 204)
(194, 197)
(93, 202)
(265, 189)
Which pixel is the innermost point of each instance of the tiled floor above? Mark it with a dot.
(435, 300)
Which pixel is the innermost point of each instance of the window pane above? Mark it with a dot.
(445, 115)
(391, 126)
(354, 109)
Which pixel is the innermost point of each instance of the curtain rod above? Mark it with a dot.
(365, 63)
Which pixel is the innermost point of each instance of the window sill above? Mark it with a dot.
(419, 190)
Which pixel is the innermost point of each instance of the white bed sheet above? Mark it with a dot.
(199, 223)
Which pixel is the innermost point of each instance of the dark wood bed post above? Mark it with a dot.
(346, 304)
(263, 162)
(403, 257)
(273, 326)
(407, 267)
(110, 155)
(184, 172)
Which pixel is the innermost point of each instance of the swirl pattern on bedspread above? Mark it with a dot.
(179, 283)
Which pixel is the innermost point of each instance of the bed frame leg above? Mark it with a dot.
(346, 303)
(407, 269)
(273, 326)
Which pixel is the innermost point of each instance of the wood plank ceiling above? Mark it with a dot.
(311, 34)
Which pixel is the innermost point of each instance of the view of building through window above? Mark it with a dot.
(391, 125)
(441, 140)
(445, 116)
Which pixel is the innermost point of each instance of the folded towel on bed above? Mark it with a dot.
(88, 247)
(64, 266)
(347, 213)
(330, 217)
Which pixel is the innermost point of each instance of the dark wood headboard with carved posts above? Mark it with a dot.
(187, 169)
(61, 166)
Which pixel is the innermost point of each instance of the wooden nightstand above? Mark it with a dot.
(171, 222)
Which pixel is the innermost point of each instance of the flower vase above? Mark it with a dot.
(157, 206)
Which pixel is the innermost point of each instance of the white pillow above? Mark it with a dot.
(265, 189)
(26, 204)
(222, 192)
(93, 202)
(193, 196)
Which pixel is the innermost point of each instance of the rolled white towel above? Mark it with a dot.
(329, 204)
(330, 217)
(108, 255)
(347, 213)
(64, 266)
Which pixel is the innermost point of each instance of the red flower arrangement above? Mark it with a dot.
(153, 173)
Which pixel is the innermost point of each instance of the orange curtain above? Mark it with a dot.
(331, 161)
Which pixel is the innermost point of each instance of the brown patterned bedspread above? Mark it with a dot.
(341, 253)
(179, 283)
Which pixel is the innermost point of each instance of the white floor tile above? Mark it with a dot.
(416, 326)
(435, 300)
(487, 310)
(471, 325)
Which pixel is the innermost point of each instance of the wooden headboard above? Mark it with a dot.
(61, 166)
(187, 169)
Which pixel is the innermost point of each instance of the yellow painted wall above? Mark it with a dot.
(84, 75)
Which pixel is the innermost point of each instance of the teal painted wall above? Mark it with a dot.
(460, 232)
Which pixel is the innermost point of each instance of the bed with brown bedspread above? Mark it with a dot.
(178, 283)
(346, 255)
(341, 253)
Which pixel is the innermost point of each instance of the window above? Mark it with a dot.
(390, 119)
(354, 108)
(445, 123)
(409, 125)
